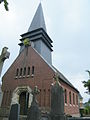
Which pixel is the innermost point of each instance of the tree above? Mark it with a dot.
(5, 4)
(87, 83)
(87, 107)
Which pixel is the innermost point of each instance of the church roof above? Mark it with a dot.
(61, 76)
(64, 79)
(38, 28)
(80, 96)
(38, 20)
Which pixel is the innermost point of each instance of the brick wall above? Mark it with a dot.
(43, 77)
(72, 108)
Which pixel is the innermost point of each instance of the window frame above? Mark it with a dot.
(65, 94)
(70, 99)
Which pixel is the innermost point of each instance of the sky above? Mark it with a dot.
(68, 25)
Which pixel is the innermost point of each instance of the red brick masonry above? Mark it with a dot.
(43, 77)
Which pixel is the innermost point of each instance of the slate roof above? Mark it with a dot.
(61, 76)
(64, 79)
(38, 20)
(80, 96)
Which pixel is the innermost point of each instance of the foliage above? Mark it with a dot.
(87, 107)
(26, 42)
(87, 83)
(5, 4)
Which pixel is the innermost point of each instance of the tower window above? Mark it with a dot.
(70, 97)
(28, 72)
(65, 96)
(17, 72)
(21, 72)
(32, 70)
(24, 72)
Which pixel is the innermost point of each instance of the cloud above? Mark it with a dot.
(67, 21)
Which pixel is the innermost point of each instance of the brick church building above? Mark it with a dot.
(33, 67)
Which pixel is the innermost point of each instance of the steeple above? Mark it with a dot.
(38, 20)
(38, 37)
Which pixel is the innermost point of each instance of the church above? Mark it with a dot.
(33, 67)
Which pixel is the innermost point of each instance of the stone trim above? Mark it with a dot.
(18, 91)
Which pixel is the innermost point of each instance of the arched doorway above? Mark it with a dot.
(23, 96)
(23, 101)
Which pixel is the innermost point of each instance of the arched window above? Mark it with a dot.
(28, 72)
(32, 70)
(17, 72)
(70, 97)
(40, 97)
(44, 93)
(76, 99)
(24, 71)
(65, 96)
(21, 72)
(73, 99)
(49, 97)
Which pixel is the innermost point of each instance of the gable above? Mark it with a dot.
(28, 58)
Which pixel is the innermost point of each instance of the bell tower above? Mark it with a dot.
(38, 37)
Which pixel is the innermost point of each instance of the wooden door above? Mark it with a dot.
(23, 101)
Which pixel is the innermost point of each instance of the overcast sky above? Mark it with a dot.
(68, 25)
